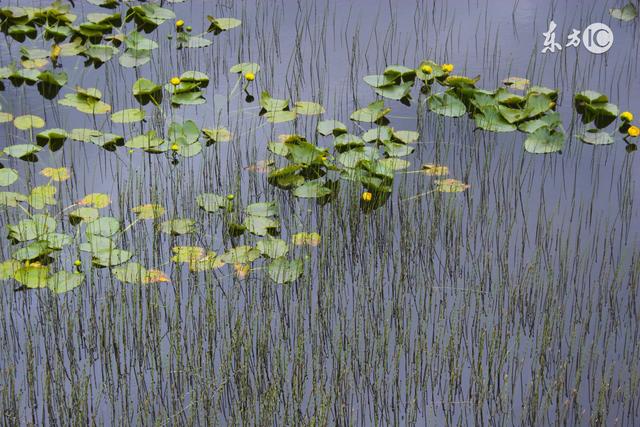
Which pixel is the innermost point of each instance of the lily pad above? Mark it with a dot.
(131, 115)
(28, 121)
(282, 270)
(8, 176)
(64, 281)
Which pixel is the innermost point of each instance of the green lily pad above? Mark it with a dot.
(178, 226)
(131, 115)
(272, 248)
(446, 104)
(54, 138)
(595, 137)
(282, 270)
(106, 227)
(371, 113)
(110, 257)
(264, 209)
(213, 202)
(328, 127)
(626, 14)
(311, 189)
(64, 281)
(28, 121)
(544, 140)
(240, 255)
(148, 211)
(8, 176)
(32, 277)
(308, 108)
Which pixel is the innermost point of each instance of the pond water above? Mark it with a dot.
(511, 301)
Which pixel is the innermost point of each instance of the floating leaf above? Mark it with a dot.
(28, 121)
(155, 276)
(217, 135)
(450, 186)
(272, 104)
(435, 170)
(131, 115)
(446, 104)
(272, 248)
(245, 67)
(209, 262)
(105, 227)
(131, 272)
(212, 202)
(97, 200)
(188, 254)
(328, 127)
(517, 83)
(260, 225)
(308, 108)
(219, 25)
(627, 13)
(282, 271)
(544, 140)
(42, 196)
(491, 120)
(8, 268)
(33, 276)
(595, 137)
(32, 251)
(308, 239)
(55, 138)
(312, 189)
(371, 113)
(8, 176)
(241, 255)
(64, 281)
(5, 117)
(265, 209)
(178, 226)
(111, 257)
(280, 116)
(148, 211)
(56, 174)
(83, 215)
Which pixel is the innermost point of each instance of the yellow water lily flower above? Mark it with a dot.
(633, 131)
(447, 68)
(250, 76)
(427, 69)
(175, 81)
(367, 196)
(175, 147)
(77, 263)
(180, 23)
(626, 117)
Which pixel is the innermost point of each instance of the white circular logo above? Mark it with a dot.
(597, 38)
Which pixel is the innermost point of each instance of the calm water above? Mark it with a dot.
(512, 303)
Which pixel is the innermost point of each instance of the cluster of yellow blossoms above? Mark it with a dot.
(633, 131)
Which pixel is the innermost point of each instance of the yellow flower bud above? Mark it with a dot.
(250, 76)
(427, 69)
(367, 196)
(626, 117)
(179, 23)
(447, 68)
